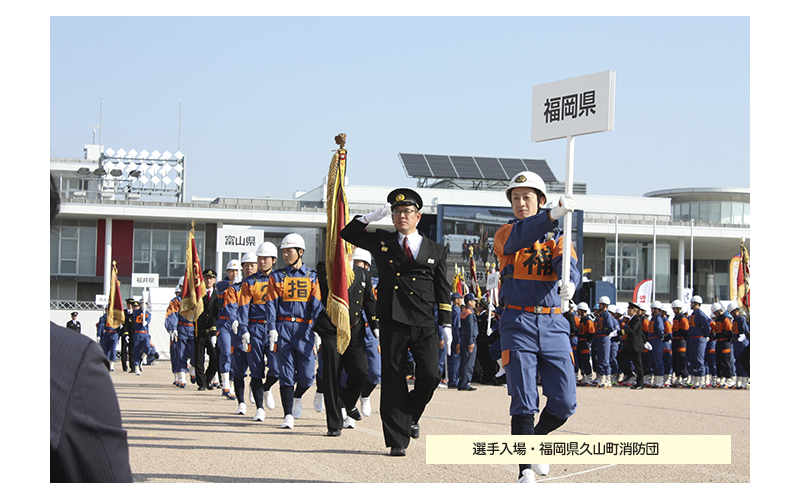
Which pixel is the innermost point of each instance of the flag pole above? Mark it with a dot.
(566, 255)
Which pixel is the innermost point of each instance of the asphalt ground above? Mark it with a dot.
(189, 436)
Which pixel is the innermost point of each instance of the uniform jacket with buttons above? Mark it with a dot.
(408, 291)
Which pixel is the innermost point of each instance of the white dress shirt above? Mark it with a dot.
(414, 242)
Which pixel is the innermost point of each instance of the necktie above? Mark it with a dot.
(407, 250)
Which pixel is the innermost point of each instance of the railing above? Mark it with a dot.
(74, 305)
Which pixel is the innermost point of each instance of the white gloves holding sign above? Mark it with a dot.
(378, 214)
(566, 204)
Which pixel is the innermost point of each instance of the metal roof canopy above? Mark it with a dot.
(471, 167)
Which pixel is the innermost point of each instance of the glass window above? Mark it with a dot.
(726, 212)
(703, 207)
(163, 251)
(715, 212)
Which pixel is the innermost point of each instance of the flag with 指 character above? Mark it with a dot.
(116, 309)
(194, 288)
(340, 273)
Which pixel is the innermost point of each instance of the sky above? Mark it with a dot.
(255, 102)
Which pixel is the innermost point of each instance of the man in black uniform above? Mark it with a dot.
(412, 284)
(354, 359)
(206, 334)
(126, 336)
(74, 324)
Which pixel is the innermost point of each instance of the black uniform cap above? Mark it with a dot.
(405, 196)
(209, 272)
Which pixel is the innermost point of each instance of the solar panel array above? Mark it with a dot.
(471, 167)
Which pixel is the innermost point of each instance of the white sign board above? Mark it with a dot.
(238, 239)
(492, 280)
(576, 106)
(144, 280)
(101, 300)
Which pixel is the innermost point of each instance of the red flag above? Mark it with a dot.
(473, 274)
(116, 309)
(340, 273)
(193, 285)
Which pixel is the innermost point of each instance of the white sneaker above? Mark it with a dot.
(288, 422)
(260, 414)
(366, 406)
(138, 371)
(349, 423)
(527, 477)
(252, 399)
(319, 401)
(242, 409)
(297, 407)
(541, 469)
(270, 400)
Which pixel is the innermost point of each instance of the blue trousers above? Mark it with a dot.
(538, 344)
(224, 346)
(108, 342)
(603, 355)
(695, 354)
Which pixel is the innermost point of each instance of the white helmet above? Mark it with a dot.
(733, 306)
(267, 249)
(526, 179)
(697, 299)
(583, 306)
(249, 258)
(233, 265)
(677, 304)
(605, 300)
(716, 306)
(361, 254)
(657, 305)
(293, 240)
(179, 285)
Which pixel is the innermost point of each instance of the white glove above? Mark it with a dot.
(566, 204)
(566, 292)
(235, 326)
(317, 341)
(613, 334)
(173, 335)
(273, 339)
(378, 214)
(447, 330)
(648, 346)
(377, 334)
(144, 323)
(245, 340)
(742, 337)
(213, 341)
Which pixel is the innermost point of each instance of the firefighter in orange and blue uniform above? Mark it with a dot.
(534, 335)
(141, 334)
(741, 345)
(294, 300)
(698, 333)
(723, 336)
(586, 331)
(181, 332)
(228, 306)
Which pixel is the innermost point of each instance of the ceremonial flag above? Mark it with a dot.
(340, 273)
(740, 278)
(473, 274)
(116, 309)
(458, 283)
(194, 288)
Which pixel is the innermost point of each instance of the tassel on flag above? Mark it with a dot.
(340, 273)
(194, 287)
(743, 279)
(116, 309)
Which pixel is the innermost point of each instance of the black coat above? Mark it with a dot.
(636, 336)
(408, 292)
(87, 441)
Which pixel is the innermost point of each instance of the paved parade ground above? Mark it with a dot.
(185, 435)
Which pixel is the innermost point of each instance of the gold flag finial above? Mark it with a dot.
(340, 139)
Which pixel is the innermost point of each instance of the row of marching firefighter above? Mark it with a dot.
(667, 346)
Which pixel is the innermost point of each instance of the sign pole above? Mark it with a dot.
(567, 253)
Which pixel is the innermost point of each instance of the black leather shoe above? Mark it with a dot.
(415, 430)
(335, 433)
(397, 451)
(637, 387)
(468, 388)
(354, 413)
(201, 388)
